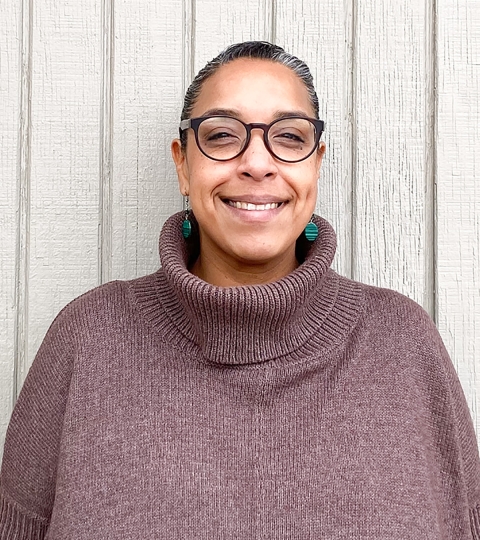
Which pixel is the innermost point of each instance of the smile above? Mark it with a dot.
(251, 206)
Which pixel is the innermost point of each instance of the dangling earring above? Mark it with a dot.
(186, 225)
(311, 231)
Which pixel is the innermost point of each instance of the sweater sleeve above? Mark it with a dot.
(28, 473)
(457, 434)
(468, 447)
(451, 444)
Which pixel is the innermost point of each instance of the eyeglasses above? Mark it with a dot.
(221, 138)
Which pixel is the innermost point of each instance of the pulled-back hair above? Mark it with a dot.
(261, 50)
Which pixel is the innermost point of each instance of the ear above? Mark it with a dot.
(320, 153)
(180, 159)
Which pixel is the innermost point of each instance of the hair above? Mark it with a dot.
(262, 50)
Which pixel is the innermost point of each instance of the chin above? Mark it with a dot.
(261, 254)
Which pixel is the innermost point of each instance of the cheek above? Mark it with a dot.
(307, 182)
(209, 178)
(202, 191)
(307, 195)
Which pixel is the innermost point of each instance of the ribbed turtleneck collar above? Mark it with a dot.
(310, 309)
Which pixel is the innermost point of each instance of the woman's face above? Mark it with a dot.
(253, 91)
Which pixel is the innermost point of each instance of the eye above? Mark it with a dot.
(292, 132)
(290, 136)
(220, 135)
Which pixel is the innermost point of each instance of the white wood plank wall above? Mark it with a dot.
(90, 97)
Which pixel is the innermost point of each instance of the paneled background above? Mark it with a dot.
(90, 98)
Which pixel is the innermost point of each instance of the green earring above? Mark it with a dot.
(311, 231)
(186, 225)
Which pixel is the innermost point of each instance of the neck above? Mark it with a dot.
(309, 310)
(224, 271)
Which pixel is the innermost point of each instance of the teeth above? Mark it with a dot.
(251, 206)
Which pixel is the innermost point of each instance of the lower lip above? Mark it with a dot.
(254, 216)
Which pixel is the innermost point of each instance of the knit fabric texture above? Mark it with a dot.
(313, 407)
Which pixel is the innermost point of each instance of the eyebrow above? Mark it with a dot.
(236, 114)
(222, 112)
(283, 114)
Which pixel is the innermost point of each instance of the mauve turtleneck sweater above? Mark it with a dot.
(310, 408)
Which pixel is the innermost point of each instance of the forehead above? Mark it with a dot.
(254, 87)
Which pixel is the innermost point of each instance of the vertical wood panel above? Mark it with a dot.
(10, 37)
(22, 263)
(392, 206)
(219, 24)
(323, 39)
(106, 143)
(148, 96)
(65, 157)
(458, 190)
(188, 43)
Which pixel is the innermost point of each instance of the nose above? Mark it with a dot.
(256, 161)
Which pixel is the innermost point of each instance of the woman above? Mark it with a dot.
(244, 390)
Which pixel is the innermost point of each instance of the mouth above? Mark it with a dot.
(245, 205)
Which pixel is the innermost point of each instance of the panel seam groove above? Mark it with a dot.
(188, 49)
(435, 158)
(273, 22)
(22, 247)
(105, 231)
(353, 137)
(188, 54)
(432, 173)
(192, 40)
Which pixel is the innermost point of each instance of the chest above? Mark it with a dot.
(201, 454)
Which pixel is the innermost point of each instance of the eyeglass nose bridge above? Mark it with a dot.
(264, 128)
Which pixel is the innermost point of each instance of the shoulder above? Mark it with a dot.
(394, 310)
(396, 321)
(398, 339)
(384, 306)
(99, 307)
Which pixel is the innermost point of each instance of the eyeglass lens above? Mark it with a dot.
(222, 138)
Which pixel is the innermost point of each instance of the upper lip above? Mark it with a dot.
(255, 199)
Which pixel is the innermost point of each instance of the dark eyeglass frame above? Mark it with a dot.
(194, 123)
